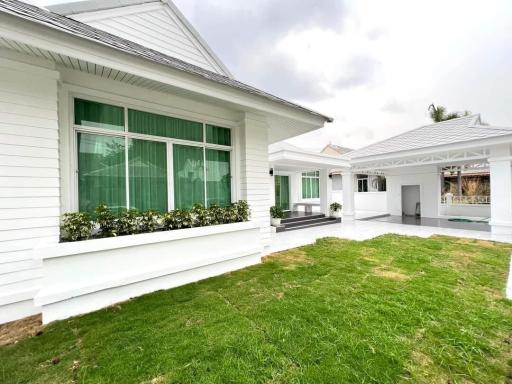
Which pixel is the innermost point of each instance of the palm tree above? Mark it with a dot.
(438, 114)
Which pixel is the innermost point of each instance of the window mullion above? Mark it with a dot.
(126, 160)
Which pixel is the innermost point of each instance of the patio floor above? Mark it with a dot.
(430, 222)
(368, 229)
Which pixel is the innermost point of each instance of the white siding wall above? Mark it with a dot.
(29, 180)
(154, 26)
(426, 177)
(254, 172)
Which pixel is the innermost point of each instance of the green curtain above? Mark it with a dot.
(218, 177)
(164, 126)
(101, 172)
(218, 135)
(282, 192)
(98, 115)
(315, 190)
(188, 168)
(147, 164)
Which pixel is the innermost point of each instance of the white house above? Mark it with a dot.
(123, 102)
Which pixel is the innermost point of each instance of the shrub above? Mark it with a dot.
(335, 207)
(177, 219)
(242, 211)
(149, 221)
(128, 222)
(106, 220)
(276, 212)
(201, 216)
(216, 214)
(76, 226)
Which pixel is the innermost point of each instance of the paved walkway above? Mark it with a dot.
(363, 230)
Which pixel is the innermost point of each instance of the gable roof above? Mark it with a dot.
(92, 11)
(458, 130)
(75, 28)
(341, 150)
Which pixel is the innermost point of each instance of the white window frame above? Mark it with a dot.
(303, 176)
(360, 182)
(76, 129)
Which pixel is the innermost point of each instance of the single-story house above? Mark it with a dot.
(123, 102)
(406, 175)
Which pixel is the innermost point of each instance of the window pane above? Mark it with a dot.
(164, 126)
(98, 115)
(218, 173)
(315, 188)
(304, 188)
(218, 135)
(101, 172)
(147, 162)
(188, 166)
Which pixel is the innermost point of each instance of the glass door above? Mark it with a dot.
(282, 189)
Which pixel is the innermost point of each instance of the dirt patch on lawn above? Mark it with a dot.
(390, 274)
(290, 258)
(11, 332)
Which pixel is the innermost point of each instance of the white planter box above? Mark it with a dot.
(84, 276)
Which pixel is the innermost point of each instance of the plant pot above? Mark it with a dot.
(336, 214)
(275, 222)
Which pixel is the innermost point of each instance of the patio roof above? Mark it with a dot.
(461, 130)
(289, 157)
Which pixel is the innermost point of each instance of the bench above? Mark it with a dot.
(308, 207)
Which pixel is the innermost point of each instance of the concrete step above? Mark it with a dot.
(301, 218)
(306, 222)
(327, 221)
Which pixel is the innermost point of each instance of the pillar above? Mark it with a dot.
(325, 192)
(348, 196)
(500, 164)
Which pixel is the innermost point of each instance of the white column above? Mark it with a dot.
(348, 196)
(255, 181)
(325, 192)
(500, 164)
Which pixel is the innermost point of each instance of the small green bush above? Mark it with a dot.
(149, 221)
(76, 226)
(276, 212)
(178, 219)
(216, 214)
(128, 222)
(201, 215)
(242, 211)
(335, 207)
(107, 221)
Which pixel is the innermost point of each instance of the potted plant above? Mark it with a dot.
(276, 214)
(335, 210)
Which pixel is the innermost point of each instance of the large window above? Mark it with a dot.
(148, 161)
(311, 185)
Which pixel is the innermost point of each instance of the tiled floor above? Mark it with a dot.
(363, 230)
(430, 222)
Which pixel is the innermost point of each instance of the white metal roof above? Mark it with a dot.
(453, 131)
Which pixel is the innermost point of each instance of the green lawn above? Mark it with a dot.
(390, 310)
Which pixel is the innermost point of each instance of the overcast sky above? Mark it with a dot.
(373, 65)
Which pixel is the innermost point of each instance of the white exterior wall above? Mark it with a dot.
(255, 181)
(155, 26)
(428, 180)
(29, 180)
(467, 210)
(365, 201)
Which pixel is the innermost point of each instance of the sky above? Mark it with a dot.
(374, 66)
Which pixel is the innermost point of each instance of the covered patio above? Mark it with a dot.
(301, 180)
(414, 165)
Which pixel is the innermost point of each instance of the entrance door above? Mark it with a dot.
(282, 187)
(411, 200)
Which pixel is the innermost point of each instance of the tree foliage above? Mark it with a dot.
(438, 113)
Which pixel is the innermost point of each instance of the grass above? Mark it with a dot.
(389, 310)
